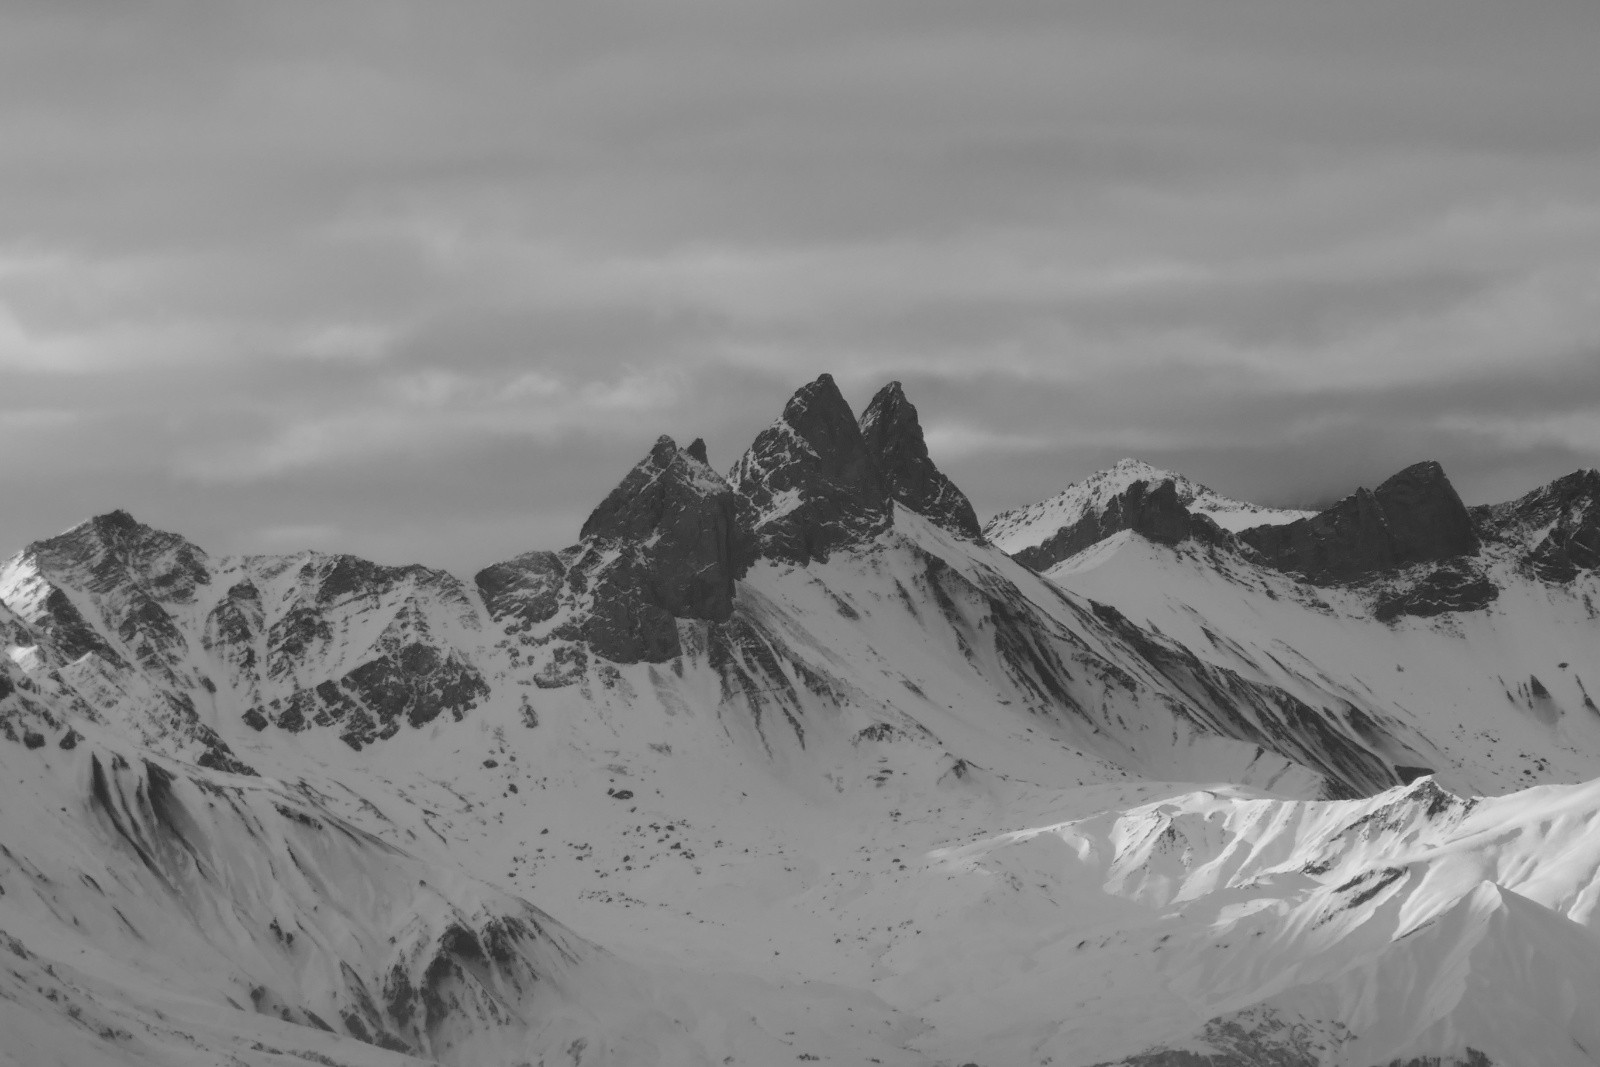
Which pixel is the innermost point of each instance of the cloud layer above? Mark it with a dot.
(421, 282)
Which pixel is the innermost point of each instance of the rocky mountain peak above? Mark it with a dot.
(1427, 520)
(678, 516)
(893, 436)
(116, 550)
(809, 484)
(1557, 524)
(665, 544)
(1155, 511)
(117, 522)
(665, 481)
(1415, 516)
(1084, 514)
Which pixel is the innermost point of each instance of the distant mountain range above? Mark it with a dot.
(799, 763)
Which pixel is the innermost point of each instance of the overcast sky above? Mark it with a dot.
(422, 281)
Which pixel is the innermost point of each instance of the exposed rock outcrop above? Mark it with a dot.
(678, 515)
(523, 591)
(1153, 512)
(664, 545)
(308, 674)
(809, 485)
(1558, 525)
(1453, 586)
(893, 436)
(1426, 518)
(148, 621)
(671, 541)
(1413, 517)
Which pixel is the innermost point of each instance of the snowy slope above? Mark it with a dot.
(1409, 925)
(1491, 699)
(860, 789)
(1026, 527)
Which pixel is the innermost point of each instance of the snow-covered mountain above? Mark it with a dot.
(795, 764)
(1131, 494)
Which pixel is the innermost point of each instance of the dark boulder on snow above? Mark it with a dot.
(809, 485)
(1413, 517)
(893, 436)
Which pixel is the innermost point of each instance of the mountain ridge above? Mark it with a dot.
(797, 763)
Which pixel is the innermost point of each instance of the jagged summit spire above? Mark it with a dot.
(118, 519)
(665, 544)
(666, 474)
(809, 484)
(819, 416)
(120, 548)
(893, 435)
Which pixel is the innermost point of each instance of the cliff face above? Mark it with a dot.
(664, 545)
(671, 541)
(1413, 517)
(808, 486)
(893, 435)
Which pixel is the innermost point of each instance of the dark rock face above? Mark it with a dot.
(809, 486)
(1347, 541)
(408, 677)
(679, 515)
(1454, 586)
(1413, 517)
(1426, 519)
(116, 549)
(1153, 513)
(232, 626)
(671, 541)
(415, 682)
(62, 625)
(1567, 511)
(624, 624)
(131, 573)
(664, 545)
(524, 591)
(893, 436)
